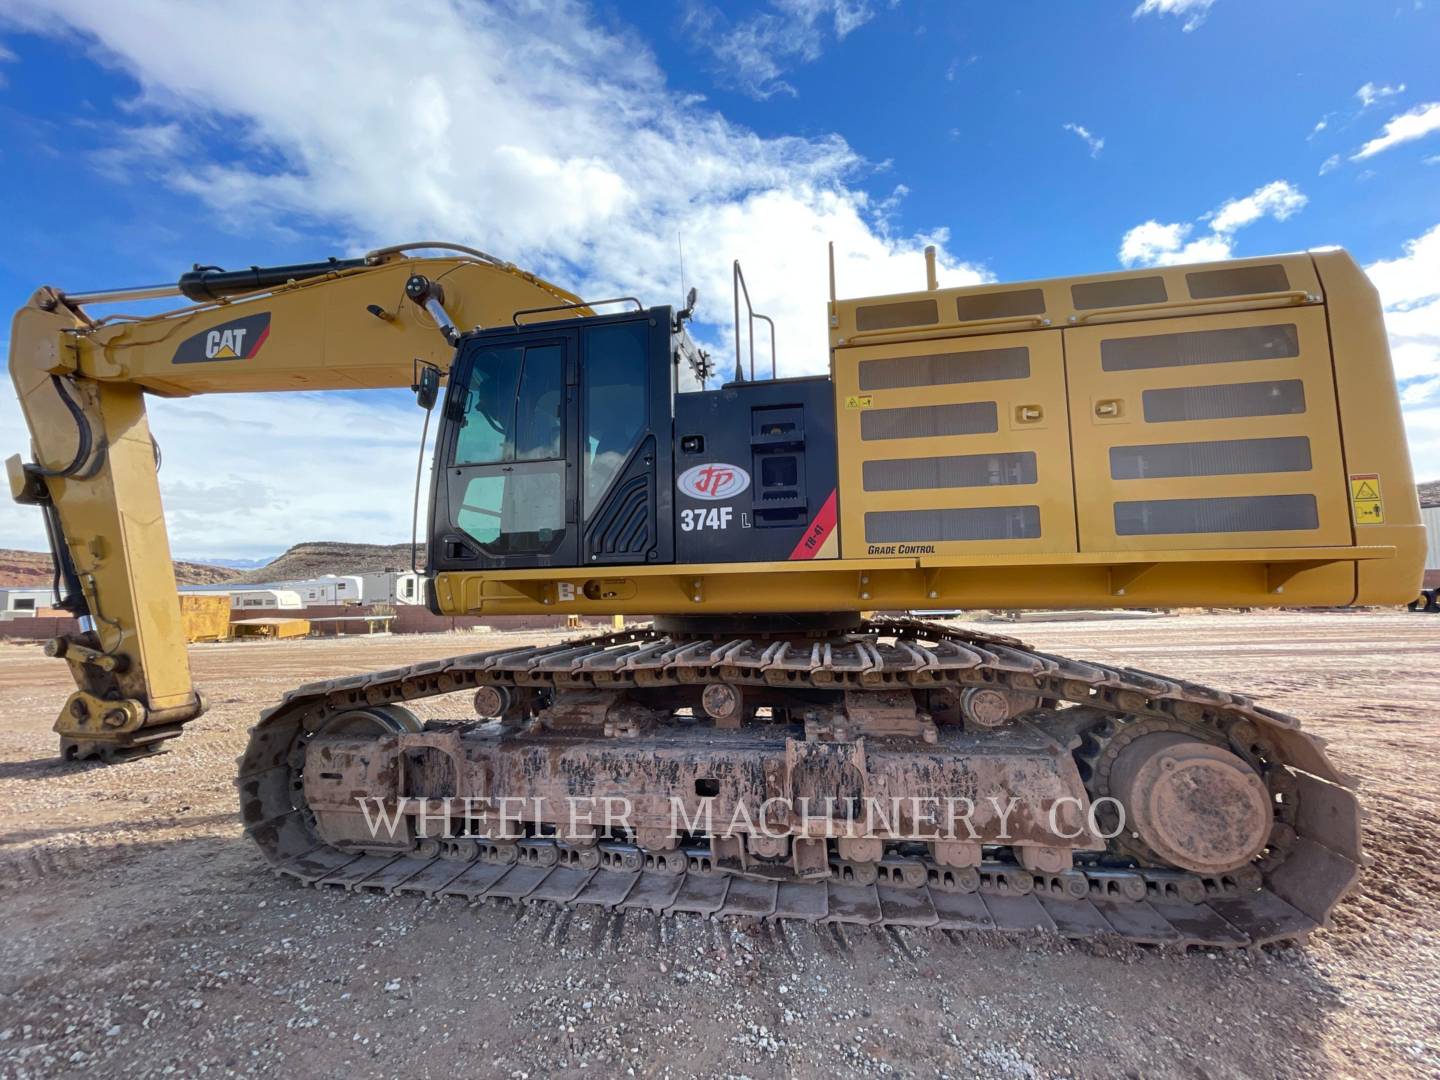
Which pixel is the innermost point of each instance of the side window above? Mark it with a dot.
(613, 369)
(540, 408)
(489, 408)
(514, 406)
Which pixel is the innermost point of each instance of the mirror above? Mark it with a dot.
(427, 386)
(688, 311)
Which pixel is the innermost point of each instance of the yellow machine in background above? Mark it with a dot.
(1221, 434)
(205, 617)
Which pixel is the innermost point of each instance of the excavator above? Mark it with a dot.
(777, 737)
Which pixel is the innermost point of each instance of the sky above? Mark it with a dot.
(594, 142)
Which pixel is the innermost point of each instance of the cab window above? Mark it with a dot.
(514, 406)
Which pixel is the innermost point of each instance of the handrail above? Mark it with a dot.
(587, 304)
(1294, 296)
(943, 330)
(752, 315)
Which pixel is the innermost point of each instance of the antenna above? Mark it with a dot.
(680, 243)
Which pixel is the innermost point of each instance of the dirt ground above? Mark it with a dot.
(141, 934)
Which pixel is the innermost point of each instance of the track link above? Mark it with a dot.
(1313, 859)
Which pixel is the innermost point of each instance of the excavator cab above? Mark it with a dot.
(568, 444)
(554, 446)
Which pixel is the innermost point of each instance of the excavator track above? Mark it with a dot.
(1310, 860)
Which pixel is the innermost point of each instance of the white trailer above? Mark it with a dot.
(266, 599)
(327, 591)
(393, 587)
(20, 602)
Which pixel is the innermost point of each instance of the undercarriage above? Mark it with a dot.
(894, 772)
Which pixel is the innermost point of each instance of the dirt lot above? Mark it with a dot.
(143, 935)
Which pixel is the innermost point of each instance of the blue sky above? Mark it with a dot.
(582, 141)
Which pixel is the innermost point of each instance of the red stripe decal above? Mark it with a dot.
(258, 342)
(818, 532)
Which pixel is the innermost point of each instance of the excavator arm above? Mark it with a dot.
(82, 382)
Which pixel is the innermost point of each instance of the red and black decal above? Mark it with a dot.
(238, 339)
(818, 532)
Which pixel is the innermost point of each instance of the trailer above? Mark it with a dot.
(23, 602)
(392, 587)
(326, 591)
(266, 599)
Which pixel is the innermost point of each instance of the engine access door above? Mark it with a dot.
(1212, 431)
(954, 446)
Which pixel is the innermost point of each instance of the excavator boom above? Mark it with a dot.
(82, 384)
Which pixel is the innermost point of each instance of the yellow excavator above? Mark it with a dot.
(1215, 435)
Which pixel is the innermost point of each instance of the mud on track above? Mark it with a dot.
(142, 932)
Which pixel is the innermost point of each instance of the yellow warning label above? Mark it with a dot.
(1365, 499)
(859, 401)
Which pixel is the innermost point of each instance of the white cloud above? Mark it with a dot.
(1278, 199)
(755, 52)
(1320, 125)
(1094, 142)
(1412, 277)
(1330, 164)
(1151, 243)
(584, 170)
(1420, 391)
(1154, 244)
(1370, 93)
(1415, 124)
(1192, 11)
(1409, 287)
(236, 478)
(135, 148)
(1422, 431)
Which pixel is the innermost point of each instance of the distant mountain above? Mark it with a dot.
(233, 564)
(1429, 493)
(320, 557)
(314, 559)
(32, 568)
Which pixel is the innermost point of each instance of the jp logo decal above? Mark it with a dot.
(238, 339)
(713, 482)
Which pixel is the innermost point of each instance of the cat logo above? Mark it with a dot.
(238, 339)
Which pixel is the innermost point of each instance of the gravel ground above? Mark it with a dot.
(144, 936)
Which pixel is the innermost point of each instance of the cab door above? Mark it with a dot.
(507, 497)
(1215, 431)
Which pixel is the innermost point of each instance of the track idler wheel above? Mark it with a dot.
(1197, 806)
(986, 707)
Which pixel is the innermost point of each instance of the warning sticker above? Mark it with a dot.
(1365, 499)
(859, 401)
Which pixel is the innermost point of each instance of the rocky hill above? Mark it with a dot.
(307, 560)
(319, 557)
(1429, 493)
(32, 568)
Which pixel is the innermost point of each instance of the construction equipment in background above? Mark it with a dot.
(1213, 435)
(271, 629)
(205, 616)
